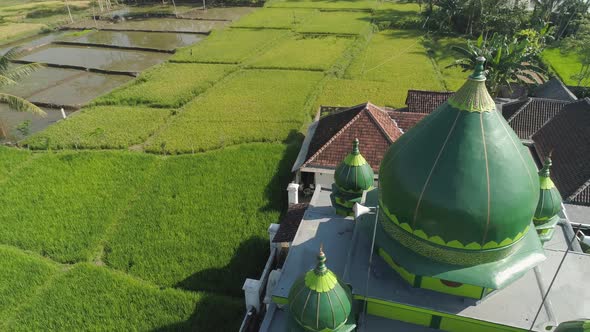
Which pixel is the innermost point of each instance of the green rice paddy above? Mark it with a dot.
(149, 208)
(565, 65)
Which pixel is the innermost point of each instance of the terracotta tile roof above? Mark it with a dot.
(554, 89)
(532, 115)
(568, 136)
(406, 120)
(419, 101)
(290, 223)
(333, 137)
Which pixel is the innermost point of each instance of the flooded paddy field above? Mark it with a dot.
(33, 42)
(134, 39)
(96, 58)
(10, 120)
(152, 25)
(83, 65)
(222, 14)
(65, 87)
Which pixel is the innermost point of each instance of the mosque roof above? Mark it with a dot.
(532, 114)
(330, 143)
(473, 186)
(420, 101)
(554, 89)
(568, 136)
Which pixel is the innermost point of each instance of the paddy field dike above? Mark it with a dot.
(148, 207)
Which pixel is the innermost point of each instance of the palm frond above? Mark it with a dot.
(21, 105)
(5, 59)
(19, 72)
(5, 81)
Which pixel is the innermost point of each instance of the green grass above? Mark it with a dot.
(338, 92)
(337, 23)
(397, 57)
(251, 106)
(564, 64)
(326, 4)
(202, 223)
(228, 46)
(111, 127)
(167, 85)
(441, 50)
(20, 277)
(307, 53)
(10, 160)
(60, 205)
(275, 18)
(92, 298)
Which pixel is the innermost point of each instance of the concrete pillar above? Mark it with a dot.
(293, 189)
(252, 294)
(272, 231)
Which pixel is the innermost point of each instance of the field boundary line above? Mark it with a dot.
(34, 296)
(115, 220)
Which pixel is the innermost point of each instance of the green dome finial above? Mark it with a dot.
(355, 147)
(546, 170)
(479, 72)
(321, 268)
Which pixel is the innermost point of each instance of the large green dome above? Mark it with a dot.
(318, 301)
(461, 180)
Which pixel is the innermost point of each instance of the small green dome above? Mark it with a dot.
(354, 174)
(459, 187)
(574, 326)
(549, 203)
(318, 301)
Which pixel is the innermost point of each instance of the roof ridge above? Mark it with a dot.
(380, 125)
(578, 191)
(552, 100)
(338, 133)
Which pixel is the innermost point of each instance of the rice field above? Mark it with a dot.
(365, 5)
(342, 23)
(397, 56)
(99, 299)
(342, 92)
(304, 53)
(276, 18)
(101, 127)
(72, 198)
(188, 200)
(169, 85)
(228, 46)
(251, 106)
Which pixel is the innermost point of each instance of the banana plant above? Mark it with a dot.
(508, 60)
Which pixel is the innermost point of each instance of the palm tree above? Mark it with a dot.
(10, 76)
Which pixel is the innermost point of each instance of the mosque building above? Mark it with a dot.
(460, 233)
